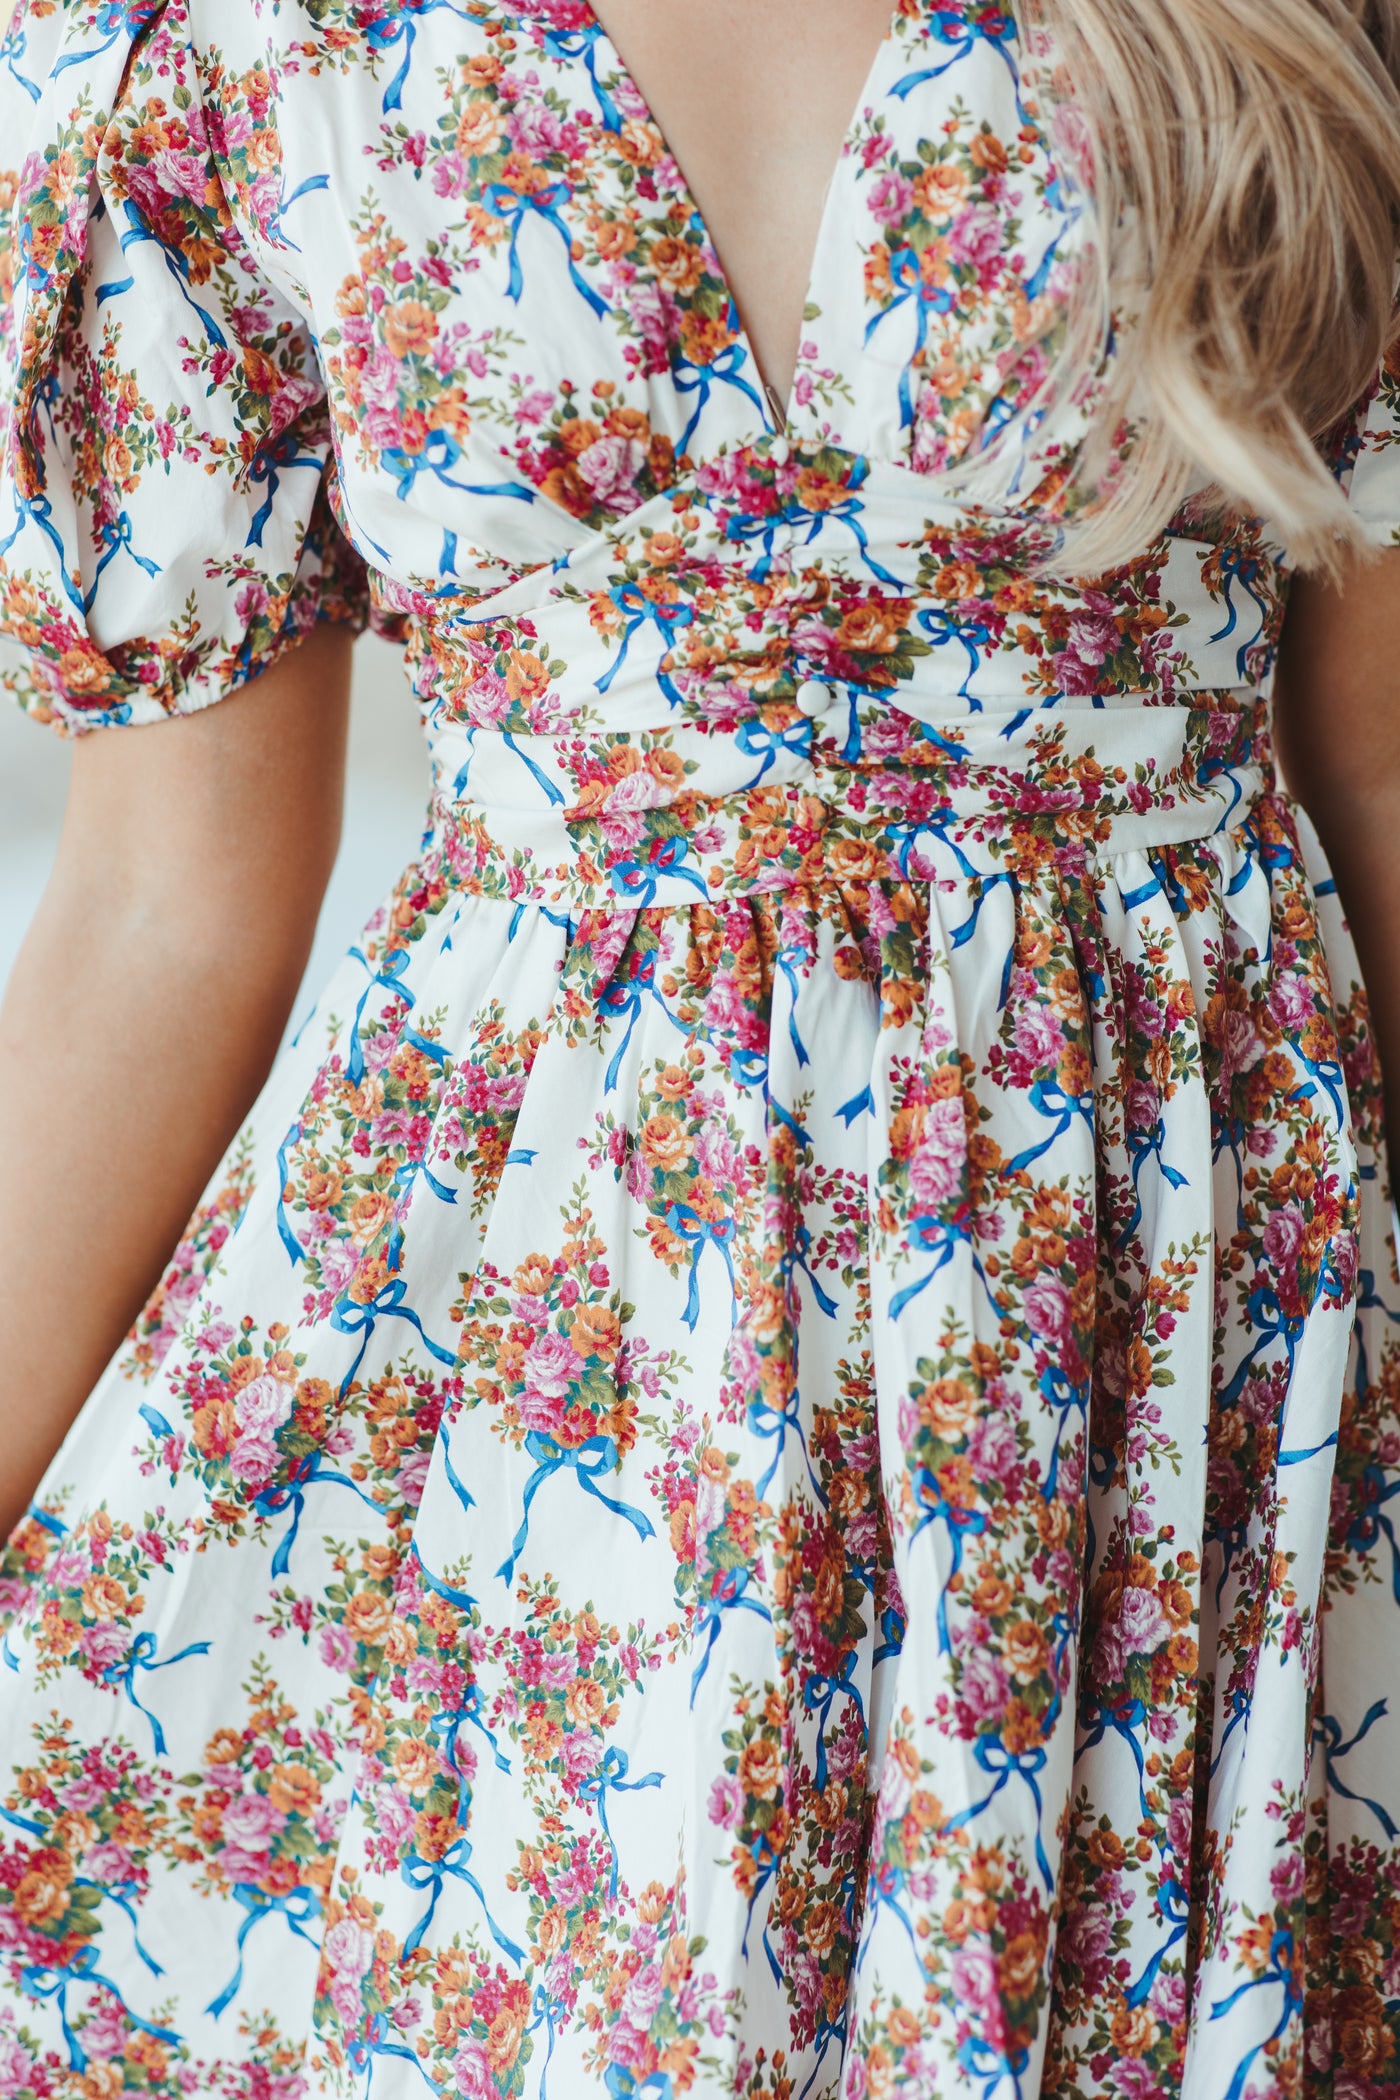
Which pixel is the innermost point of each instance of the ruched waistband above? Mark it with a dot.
(693, 813)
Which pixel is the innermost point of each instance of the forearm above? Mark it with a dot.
(1361, 838)
(130, 1052)
(143, 1014)
(1337, 714)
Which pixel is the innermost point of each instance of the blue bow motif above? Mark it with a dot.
(299, 1907)
(622, 2084)
(697, 1233)
(1002, 1766)
(1328, 1732)
(514, 206)
(887, 1884)
(268, 462)
(274, 228)
(114, 19)
(725, 370)
(611, 1777)
(121, 1893)
(400, 25)
(960, 1523)
(137, 234)
(430, 1874)
(366, 2048)
(763, 740)
(142, 1656)
(115, 537)
(571, 45)
(636, 878)
(639, 611)
(37, 510)
(907, 278)
(946, 630)
(351, 1317)
(13, 48)
(1281, 1975)
(625, 994)
(587, 1461)
(728, 1592)
(819, 1694)
(1127, 1720)
(448, 1726)
(960, 30)
(41, 1981)
(1245, 567)
(290, 1492)
(439, 455)
(1174, 1909)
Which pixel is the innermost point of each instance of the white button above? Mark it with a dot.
(780, 451)
(813, 697)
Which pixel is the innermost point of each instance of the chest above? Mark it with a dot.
(525, 321)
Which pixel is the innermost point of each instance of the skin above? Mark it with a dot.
(706, 68)
(1337, 726)
(156, 980)
(144, 1012)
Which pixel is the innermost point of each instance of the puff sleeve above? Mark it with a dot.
(1373, 479)
(166, 529)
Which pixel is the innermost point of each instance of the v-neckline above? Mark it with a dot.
(689, 203)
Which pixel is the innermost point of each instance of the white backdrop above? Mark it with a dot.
(385, 806)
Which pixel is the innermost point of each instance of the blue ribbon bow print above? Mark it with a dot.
(696, 1234)
(960, 30)
(438, 455)
(625, 994)
(1002, 1766)
(1245, 567)
(725, 370)
(728, 1592)
(115, 538)
(820, 1694)
(365, 2050)
(299, 1907)
(351, 1316)
(514, 207)
(639, 611)
(587, 1461)
(112, 20)
(142, 1657)
(279, 456)
(121, 1893)
(289, 1493)
(1285, 1973)
(431, 1874)
(399, 25)
(40, 1981)
(1328, 1733)
(567, 46)
(611, 1777)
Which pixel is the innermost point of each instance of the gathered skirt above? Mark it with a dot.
(783, 1494)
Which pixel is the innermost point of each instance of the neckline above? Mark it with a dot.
(767, 393)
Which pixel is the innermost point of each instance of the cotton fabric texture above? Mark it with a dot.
(770, 1470)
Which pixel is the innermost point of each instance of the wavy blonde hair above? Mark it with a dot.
(1242, 164)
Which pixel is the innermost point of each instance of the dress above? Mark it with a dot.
(769, 1471)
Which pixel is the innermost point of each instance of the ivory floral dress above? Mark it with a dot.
(771, 1470)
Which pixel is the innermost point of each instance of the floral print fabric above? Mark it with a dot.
(768, 1472)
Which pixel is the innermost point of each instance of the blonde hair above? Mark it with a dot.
(1241, 159)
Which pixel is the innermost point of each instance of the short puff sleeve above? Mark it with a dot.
(166, 473)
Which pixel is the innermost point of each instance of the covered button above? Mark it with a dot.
(814, 696)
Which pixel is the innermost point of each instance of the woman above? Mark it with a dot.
(767, 1466)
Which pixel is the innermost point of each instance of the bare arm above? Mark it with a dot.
(144, 1011)
(1338, 724)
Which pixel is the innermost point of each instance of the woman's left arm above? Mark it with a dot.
(1337, 720)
